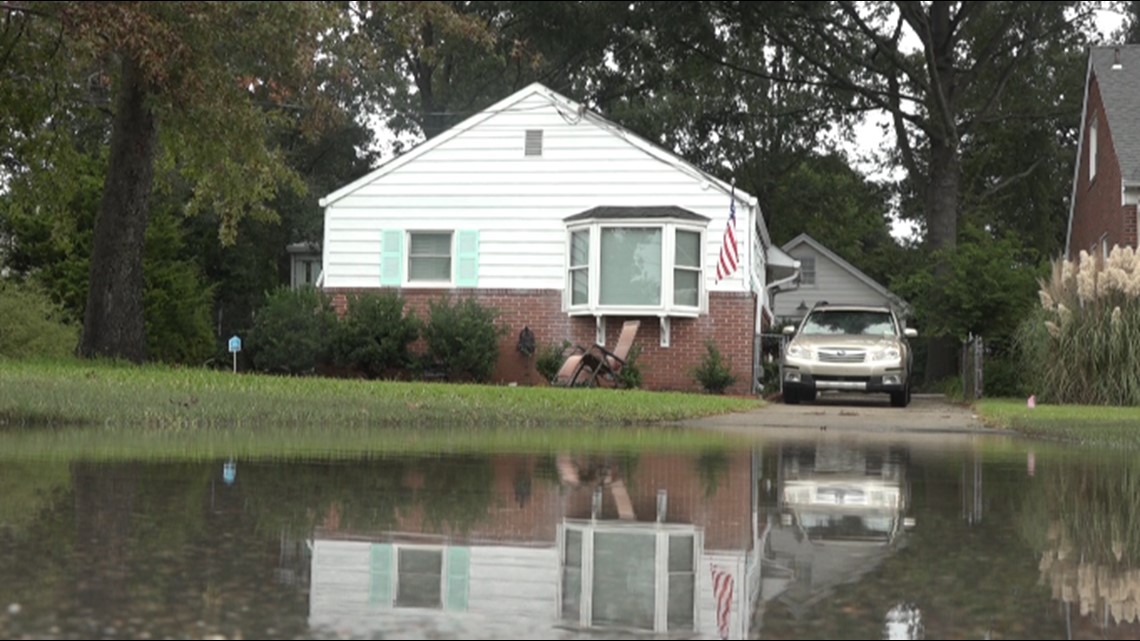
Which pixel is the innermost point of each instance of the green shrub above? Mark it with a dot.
(629, 376)
(713, 373)
(292, 332)
(31, 326)
(1004, 377)
(550, 358)
(375, 333)
(464, 338)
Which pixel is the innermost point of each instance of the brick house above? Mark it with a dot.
(569, 225)
(1106, 179)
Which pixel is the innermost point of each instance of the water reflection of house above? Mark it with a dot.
(833, 513)
(555, 560)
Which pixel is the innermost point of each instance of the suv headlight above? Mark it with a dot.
(889, 354)
(799, 351)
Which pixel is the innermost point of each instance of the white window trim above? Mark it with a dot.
(662, 531)
(1092, 149)
(429, 284)
(814, 272)
(395, 578)
(669, 227)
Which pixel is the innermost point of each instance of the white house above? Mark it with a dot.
(826, 277)
(568, 224)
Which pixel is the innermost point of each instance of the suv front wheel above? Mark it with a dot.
(901, 399)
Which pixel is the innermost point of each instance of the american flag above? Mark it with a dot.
(729, 254)
(723, 583)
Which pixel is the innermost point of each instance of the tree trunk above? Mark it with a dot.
(113, 321)
(942, 234)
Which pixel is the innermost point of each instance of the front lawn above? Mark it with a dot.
(1088, 424)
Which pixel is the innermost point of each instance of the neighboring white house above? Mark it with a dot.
(568, 224)
(304, 264)
(826, 277)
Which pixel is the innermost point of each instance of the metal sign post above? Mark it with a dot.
(235, 347)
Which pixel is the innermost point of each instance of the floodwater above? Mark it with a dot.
(826, 538)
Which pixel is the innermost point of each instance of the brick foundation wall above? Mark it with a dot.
(1097, 209)
(730, 324)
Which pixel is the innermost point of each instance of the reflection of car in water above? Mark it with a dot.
(833, 494)
(834, 512)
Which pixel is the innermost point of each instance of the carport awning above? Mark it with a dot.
(780, 265)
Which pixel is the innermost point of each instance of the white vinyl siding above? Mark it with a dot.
(352, 586)
(833, 284)
(481, 180)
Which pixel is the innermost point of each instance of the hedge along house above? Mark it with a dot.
(567, 224)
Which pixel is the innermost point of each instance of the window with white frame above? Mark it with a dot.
(629, 576)
(429, 256)
(807, 271)
(1092, 149)
(636, 267)
(419, 576)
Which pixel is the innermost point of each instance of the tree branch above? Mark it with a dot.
(1009, 180)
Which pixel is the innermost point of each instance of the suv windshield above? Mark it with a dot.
(836, 322)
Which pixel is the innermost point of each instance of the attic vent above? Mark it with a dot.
(1116, 59)
(533, 142)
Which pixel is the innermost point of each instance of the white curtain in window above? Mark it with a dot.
(630, 266)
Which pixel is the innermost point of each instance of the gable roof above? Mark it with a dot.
(1117, 72)
(1119, 86)
(804, 239)
(567, 106)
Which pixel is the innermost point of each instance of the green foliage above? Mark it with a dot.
(713, 373)
(1005, 376)
(31, 326)
(463, 337)
(177, 303)
(988, 289)
(550, 358)
(771, 373)
(292, 333)
(629, 376)
(375, 333)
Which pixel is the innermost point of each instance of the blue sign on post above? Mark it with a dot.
(235, 347)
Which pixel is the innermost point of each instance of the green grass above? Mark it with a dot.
(1086, 424)
(109, 410)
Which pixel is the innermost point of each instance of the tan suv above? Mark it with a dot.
(851, 348)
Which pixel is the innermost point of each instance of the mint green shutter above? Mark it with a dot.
(392, 257)
(380, 575)
(458, 577)
(467, 255)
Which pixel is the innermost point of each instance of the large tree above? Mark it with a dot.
(941, 70)
(192, 88)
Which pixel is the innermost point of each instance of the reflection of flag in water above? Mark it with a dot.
(722, 591)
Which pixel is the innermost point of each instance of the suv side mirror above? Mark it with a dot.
(789, 330)
(910, 332)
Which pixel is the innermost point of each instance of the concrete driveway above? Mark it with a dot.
(865, 414)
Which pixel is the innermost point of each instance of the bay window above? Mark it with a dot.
(626, 575)
(636, 266)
